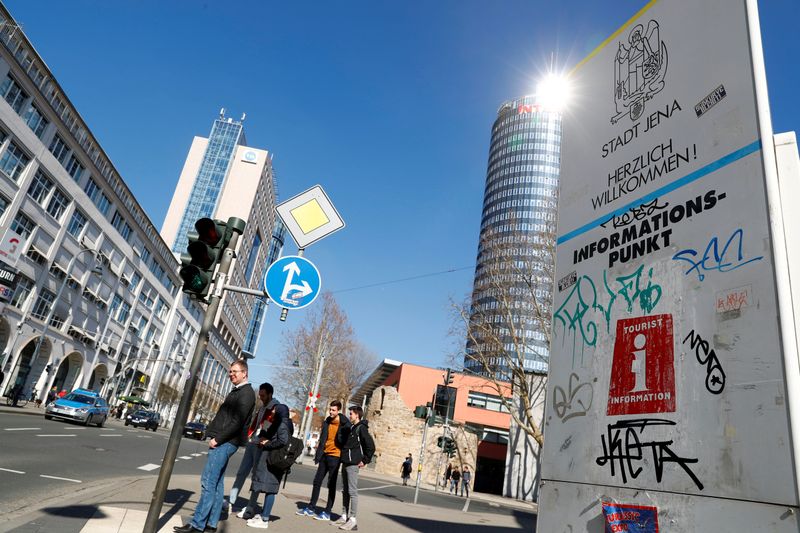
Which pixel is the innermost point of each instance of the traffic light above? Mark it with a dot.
(205, 248)
(449, 447)
(421, 411)
(448, 377)
(440, 442)
(48, 368)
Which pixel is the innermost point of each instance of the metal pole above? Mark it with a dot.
(422, 454)
(309, 413)
(164, 474)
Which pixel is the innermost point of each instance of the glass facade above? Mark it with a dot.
(515, 251)
(226, 134)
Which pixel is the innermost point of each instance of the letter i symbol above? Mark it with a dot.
(639, 365)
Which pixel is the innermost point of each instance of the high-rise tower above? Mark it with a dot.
(513, 277)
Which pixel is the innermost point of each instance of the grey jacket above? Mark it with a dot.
(265, 479)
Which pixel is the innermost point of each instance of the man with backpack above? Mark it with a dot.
(329, 450)
(357, 451)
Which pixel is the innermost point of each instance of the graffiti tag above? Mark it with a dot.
(716, 259)
(563, 401)
(715, 375)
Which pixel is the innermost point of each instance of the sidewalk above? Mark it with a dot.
(121, 507)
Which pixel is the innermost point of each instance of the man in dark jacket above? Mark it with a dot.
(356, 452)
(228, 431)
(329, 449)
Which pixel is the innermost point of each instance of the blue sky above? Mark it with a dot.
(387, 105)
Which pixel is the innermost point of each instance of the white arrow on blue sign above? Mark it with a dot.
(292, 282)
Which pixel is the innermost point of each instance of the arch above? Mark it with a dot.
(68, 371)
(27, 370)
(98, 378)
(5, 335)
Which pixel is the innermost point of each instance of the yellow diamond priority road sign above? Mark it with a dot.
(310, 216)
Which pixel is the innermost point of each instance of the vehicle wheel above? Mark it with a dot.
(126, 422)
(155, 429)
(48, 417)
(88, 420)
(102, 422)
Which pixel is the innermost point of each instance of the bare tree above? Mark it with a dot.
(327, 332)
(507, 320)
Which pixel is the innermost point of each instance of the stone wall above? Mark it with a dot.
(397, 433)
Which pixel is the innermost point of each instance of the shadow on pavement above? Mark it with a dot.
(176, 497)
(74, 511)
(526, 521)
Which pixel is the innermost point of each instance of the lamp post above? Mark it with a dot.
(52, 311)
(307, 413)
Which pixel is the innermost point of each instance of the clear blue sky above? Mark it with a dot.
(387, 105)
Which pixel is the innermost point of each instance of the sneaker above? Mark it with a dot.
(341, 520)
(246, 513)
(257, 523)
(322, 516)
(350, 525)
(305, 511)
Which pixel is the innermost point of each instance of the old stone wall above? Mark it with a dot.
(397, 433)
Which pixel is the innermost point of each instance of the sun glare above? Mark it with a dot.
(553, 92)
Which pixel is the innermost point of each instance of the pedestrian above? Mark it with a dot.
(252, 452)
(228, 431)
(447, 472)
(455, 477)
(62, 393)
(267, 478)
(16, 392)
(405, 469)
(356, 452)
(51, 396)
(327, 457)
(466, 477)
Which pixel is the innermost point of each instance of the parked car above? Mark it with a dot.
(195, 430)
(80, 405)
(145, 419)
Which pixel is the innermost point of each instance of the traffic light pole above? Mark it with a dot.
(422, 455)
(153, 513)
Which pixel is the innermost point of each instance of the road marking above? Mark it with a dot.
(111, 435)
(12, 471)
(144, 436)
(376, 488)
(148, 467)
(196, 454)
(72, 428)
(56, 435)
(23, 429)
(185, 457)
(61, 478)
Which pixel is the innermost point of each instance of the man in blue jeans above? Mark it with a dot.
(228, 431)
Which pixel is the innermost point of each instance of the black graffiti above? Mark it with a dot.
(715, 375)
(623, 452)
(634, 214)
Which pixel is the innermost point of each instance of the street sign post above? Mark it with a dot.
(292, 282)
(676, 322)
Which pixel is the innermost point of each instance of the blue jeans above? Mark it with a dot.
(252, 453)
(212, 484)
(269, 501)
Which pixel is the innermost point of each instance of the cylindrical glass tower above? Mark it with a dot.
(512, 291)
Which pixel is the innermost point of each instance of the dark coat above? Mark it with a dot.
(341, 436)
(265, 478)
(359, 447)
(230, 422)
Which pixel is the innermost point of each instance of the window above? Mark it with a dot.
(135, 279)
(59, 148)
(58, 204)
(23, 225)
(74, 168)
(124, 312)
(445, 401)
(34, 119)
(76, 224)
(21, 293)
(251, 260)
(13, 161)
(115, 303)
(3, 204)
(43, 304)
(119, 223)
(40, 187)
(160, 308)
(96, 195)
(486, 401)
(13, 93)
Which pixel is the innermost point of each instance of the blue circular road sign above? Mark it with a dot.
(292, 282)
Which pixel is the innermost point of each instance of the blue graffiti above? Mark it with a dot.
(714, 259)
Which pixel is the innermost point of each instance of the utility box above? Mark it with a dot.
(674, 381)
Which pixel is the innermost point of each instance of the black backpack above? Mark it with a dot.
(284, 457)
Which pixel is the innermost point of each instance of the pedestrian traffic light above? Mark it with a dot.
(205, 248)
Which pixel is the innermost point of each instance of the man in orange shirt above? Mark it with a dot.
(335, 431)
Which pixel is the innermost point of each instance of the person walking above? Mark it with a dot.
(253, 449)
(447, 472)
(51, 396)
(329, 449)
(228, 431)
(405, 469)
(466, 477)
(357, 451)
(266, 478)
(455, 477)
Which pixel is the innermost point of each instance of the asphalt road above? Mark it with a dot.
(43, 459)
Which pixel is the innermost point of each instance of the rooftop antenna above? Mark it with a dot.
(244, 116)
(222, 113)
